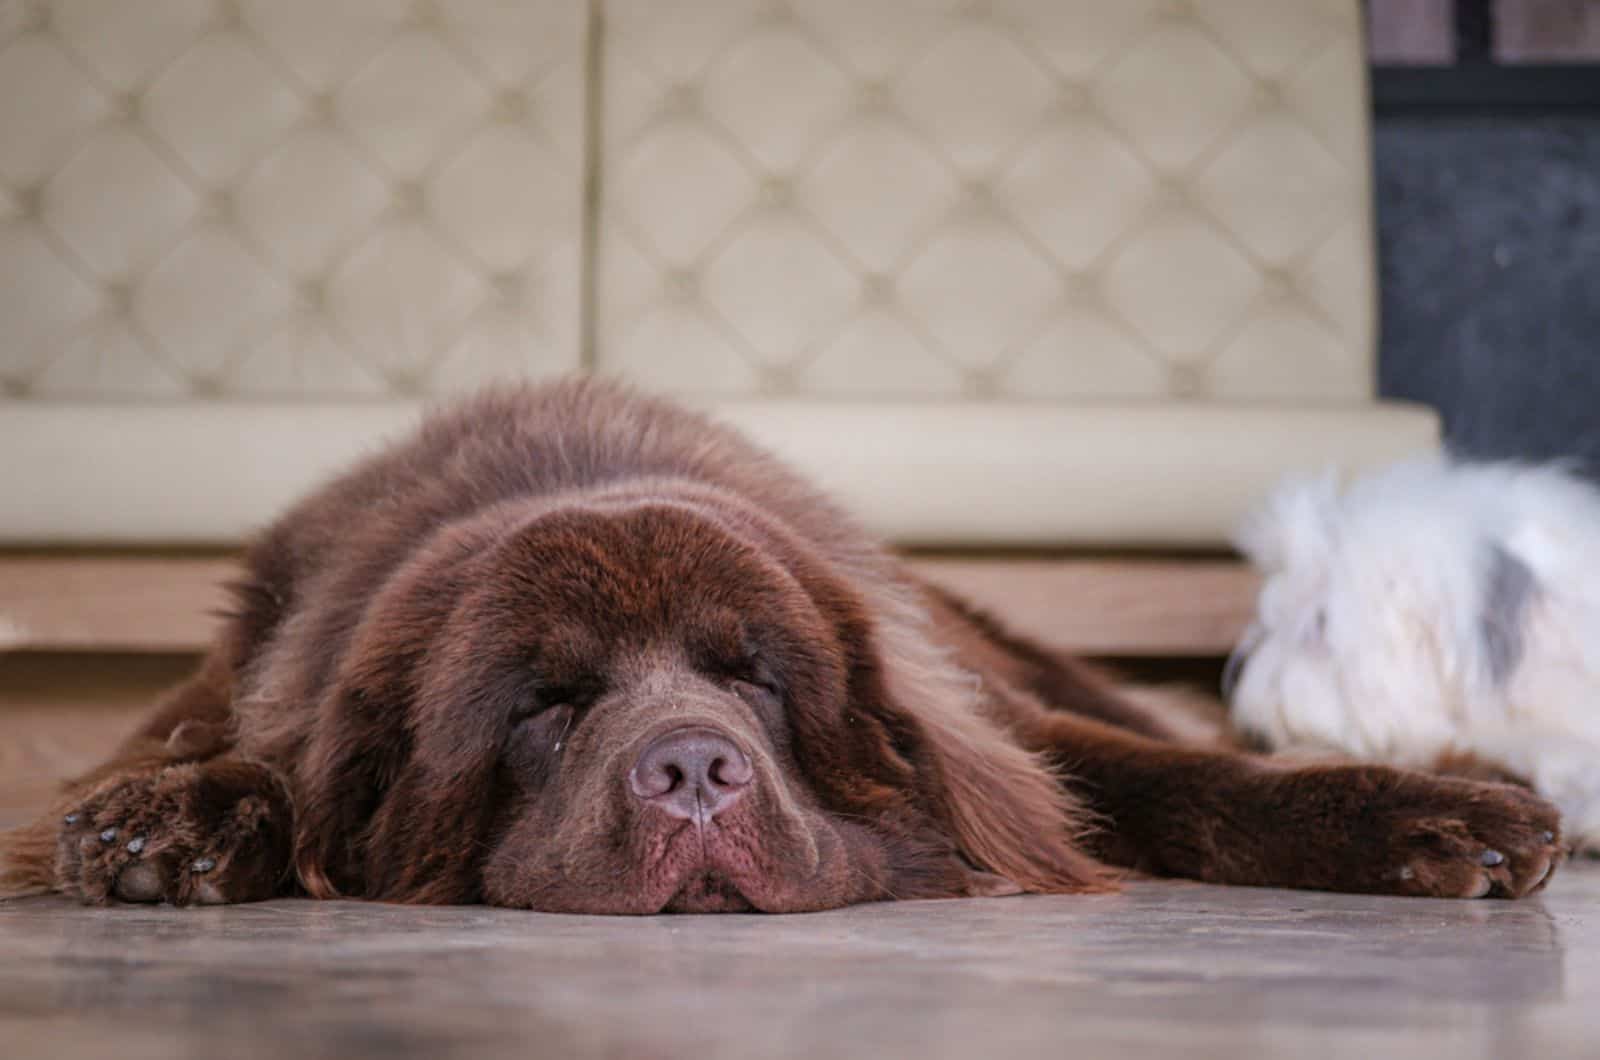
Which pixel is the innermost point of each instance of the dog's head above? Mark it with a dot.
(630, 704)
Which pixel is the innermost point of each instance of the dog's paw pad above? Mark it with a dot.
(177, 835)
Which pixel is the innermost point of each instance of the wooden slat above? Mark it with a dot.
(155, 603)
(1110, 606)
(1091, 605)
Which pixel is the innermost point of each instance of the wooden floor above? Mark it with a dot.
(1163, 970)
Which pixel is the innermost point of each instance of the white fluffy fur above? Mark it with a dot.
(1372, 632)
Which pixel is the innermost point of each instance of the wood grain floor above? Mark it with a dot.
(1164, 969)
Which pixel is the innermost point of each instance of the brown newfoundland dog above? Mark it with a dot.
(576, 650)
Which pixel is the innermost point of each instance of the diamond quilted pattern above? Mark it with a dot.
(839, 191)
(194, 106)
(41, 300)
(323, 44)
(979, 290)
(309, 200)
(781, 287)
(500, 187)
(411, 99)
(173, 303)
(1070, 199)
(1056, 188)
(804, 97)
(38, 137)
(1181, 284)
(403, 297)
(1149, 198)
(1277, 219)
(240, 198)
(124, 46)
(1175, 95)
(117, 227)
(974, 121)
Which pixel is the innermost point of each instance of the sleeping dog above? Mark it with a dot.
(573, 649)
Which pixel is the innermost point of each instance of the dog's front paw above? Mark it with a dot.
(1449, 838)
(206, 833)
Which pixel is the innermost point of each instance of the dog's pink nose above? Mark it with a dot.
(694, 774)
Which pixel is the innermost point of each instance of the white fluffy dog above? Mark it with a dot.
(1430, 610)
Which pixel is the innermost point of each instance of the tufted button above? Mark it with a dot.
(873, 96)
(976, 10)
(408, 200)
(406, 379)
(206, 385)
(117, 299)
(1071, 97)
(779, 379)
(983, 382)
(226, 16)
(424, 15)
(1177, 10)
(125, 107)
(978, 194)
(683, 285)
(322, 108)
(1172, 193)
(1276, 285)
(220, 206)
(28, 201)
(509, 289)
(681, 99)
(1077, 288)
(877, 288)
(1266, 95)
(511, 107)
(778, 12)
(1186, 380)
(313, 294)
(777, 192)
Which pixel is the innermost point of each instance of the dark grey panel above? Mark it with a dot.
(1489, 242)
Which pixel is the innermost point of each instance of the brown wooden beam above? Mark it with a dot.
(1093, 605)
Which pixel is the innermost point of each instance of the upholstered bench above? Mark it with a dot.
(1046, 275)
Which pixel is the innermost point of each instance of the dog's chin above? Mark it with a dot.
(709, 892)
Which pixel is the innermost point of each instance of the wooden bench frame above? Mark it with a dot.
(1106, 605)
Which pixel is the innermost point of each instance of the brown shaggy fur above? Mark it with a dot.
(444, 670)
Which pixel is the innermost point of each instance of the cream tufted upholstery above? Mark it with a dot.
(225, 222)
(1138, 199)
(212, 199)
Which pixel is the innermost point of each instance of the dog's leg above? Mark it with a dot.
(172, 816)
(1235, 818)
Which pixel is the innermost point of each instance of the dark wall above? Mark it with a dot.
(1489, 255)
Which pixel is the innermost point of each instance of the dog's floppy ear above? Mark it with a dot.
(1009, 814)
(356, 749)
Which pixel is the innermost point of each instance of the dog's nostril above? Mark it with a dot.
(730, 772)
(691, 773)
